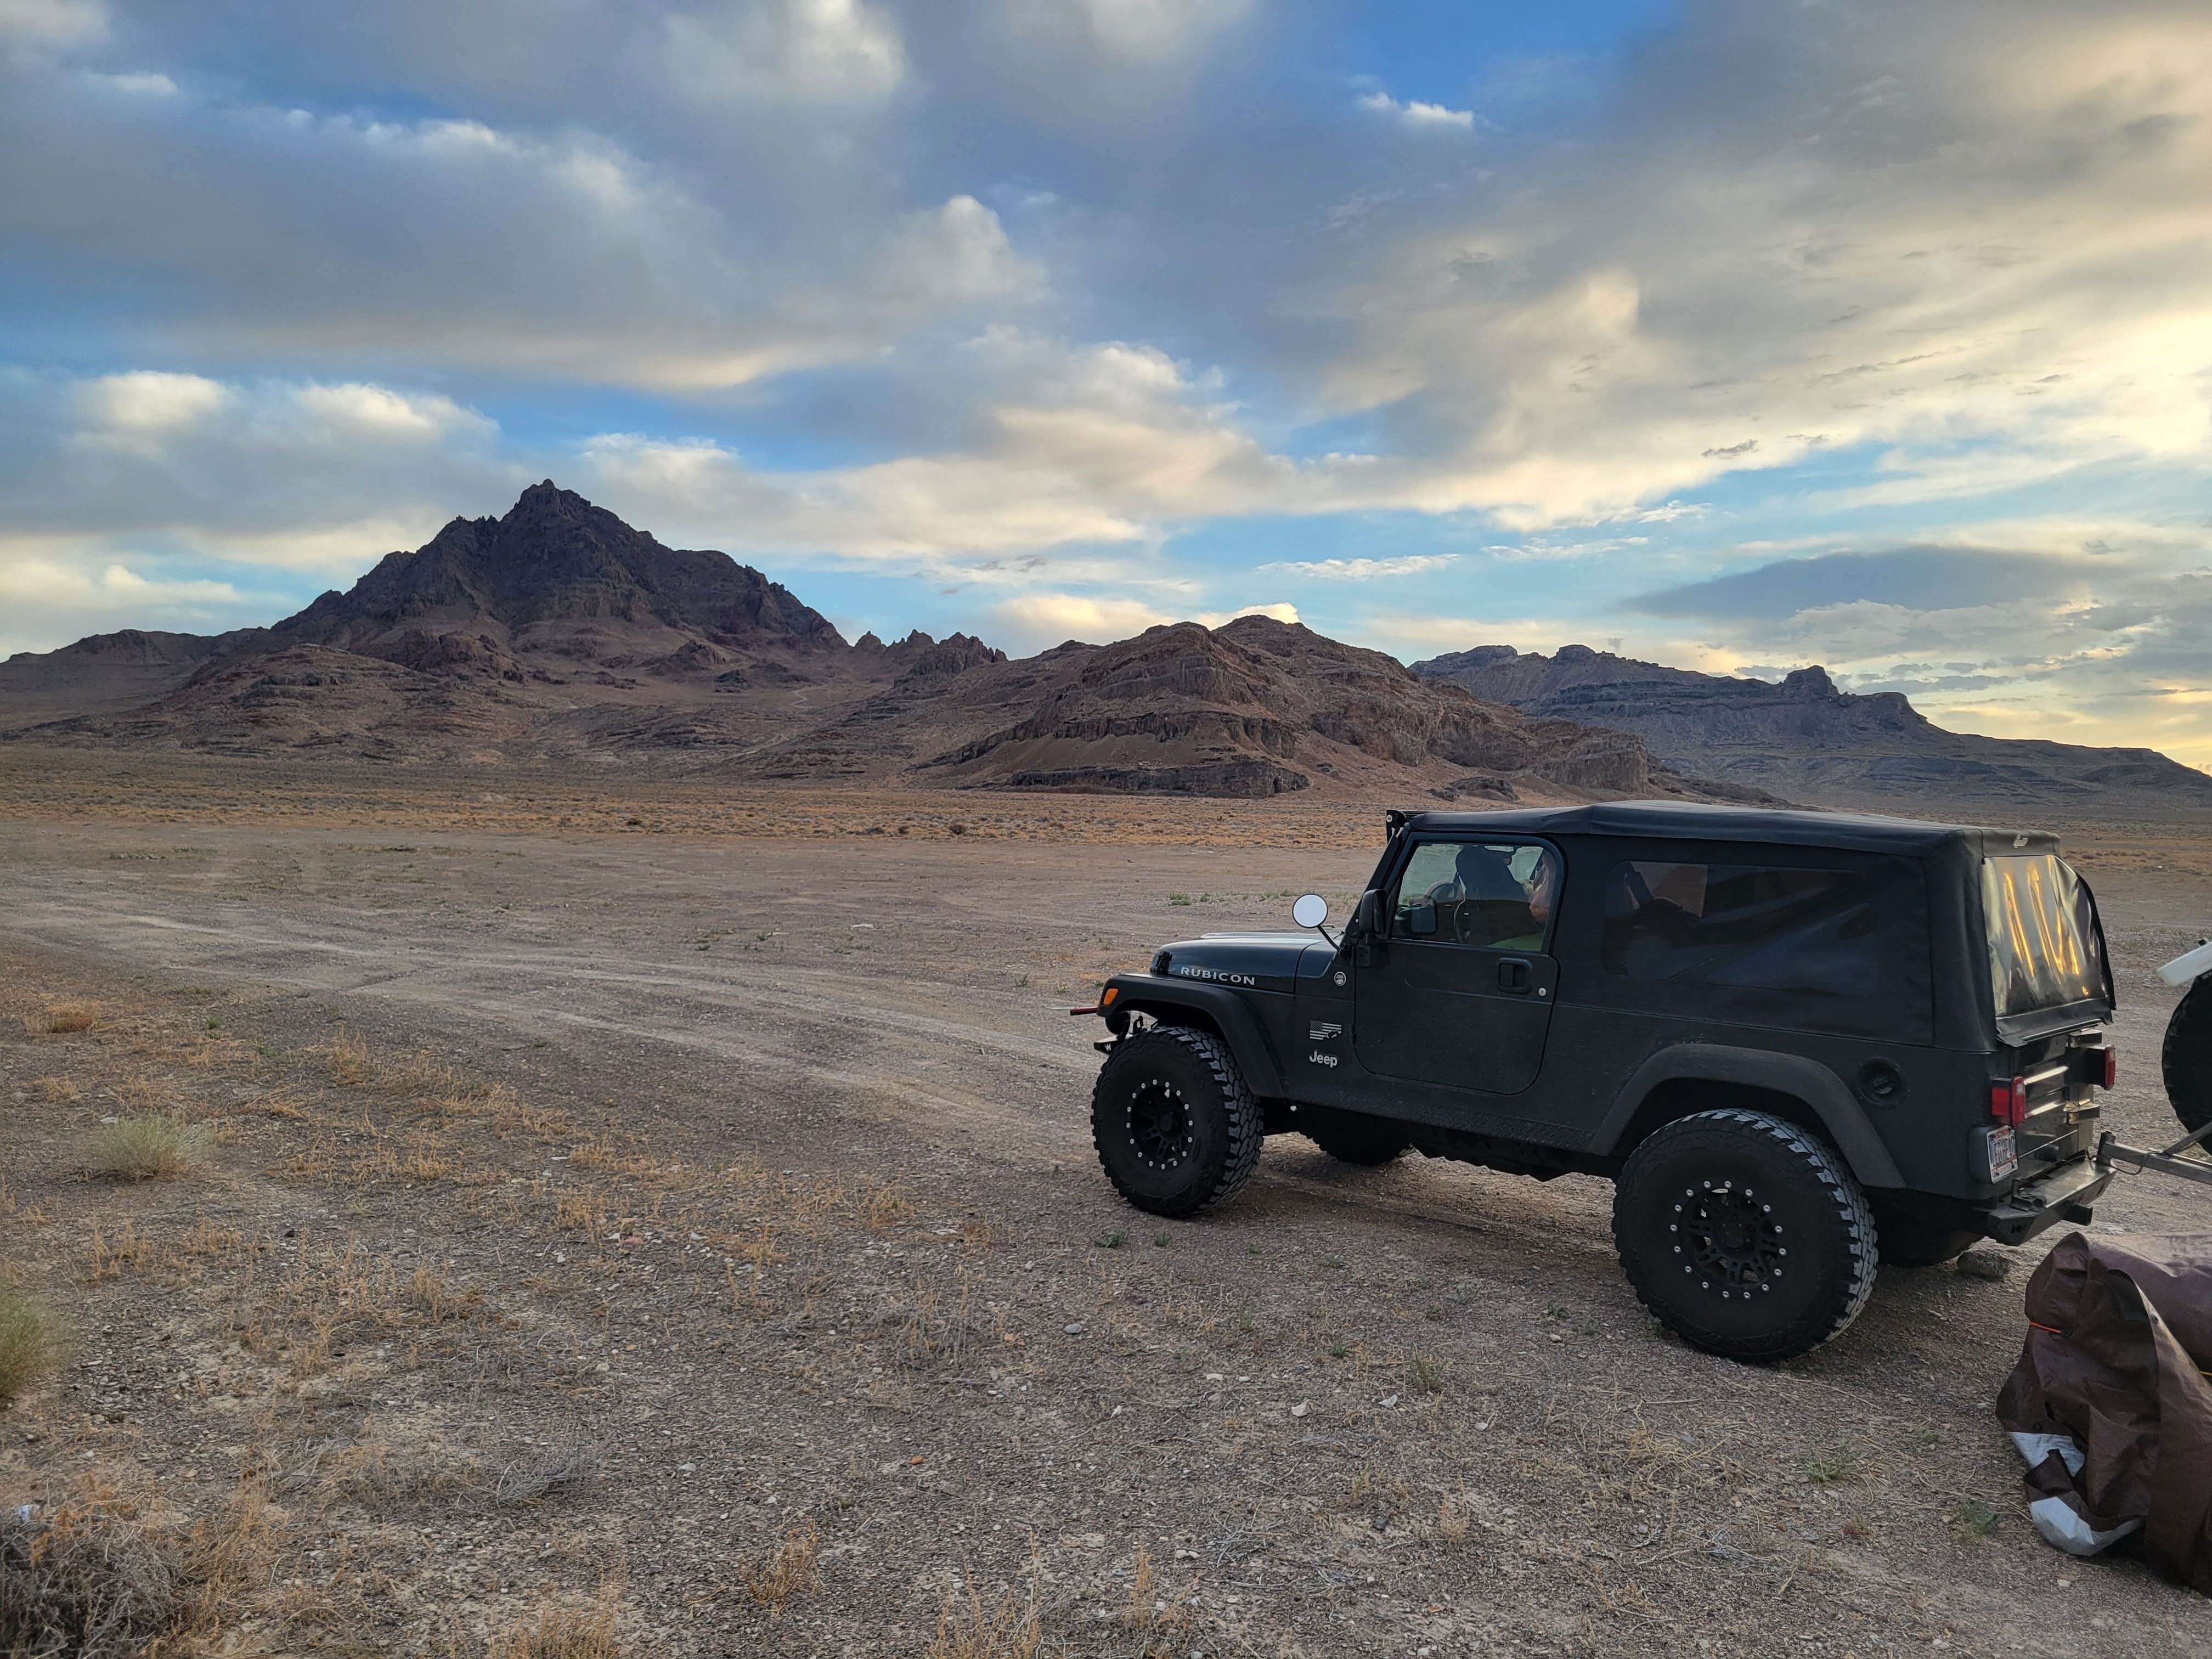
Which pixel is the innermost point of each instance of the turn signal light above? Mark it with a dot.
(2008, 1102)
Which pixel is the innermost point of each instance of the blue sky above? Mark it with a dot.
(1736, 335)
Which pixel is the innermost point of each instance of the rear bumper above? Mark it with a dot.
(2064, 1194)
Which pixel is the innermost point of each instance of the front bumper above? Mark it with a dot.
(2064, 1194)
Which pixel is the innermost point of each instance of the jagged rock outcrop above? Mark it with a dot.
(1804, 738)
(1256, 707)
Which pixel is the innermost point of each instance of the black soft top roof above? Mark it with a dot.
(1864, 832)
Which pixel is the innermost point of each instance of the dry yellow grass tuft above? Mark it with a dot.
(30, 1340)
(129, 1251)
(60, 1019)
(1010, 1629)
(570, 1632)
(105, 1573)
(885, 1205)
(347, 1059)
(56, 1088)
(787, 1571)
(144, 1148)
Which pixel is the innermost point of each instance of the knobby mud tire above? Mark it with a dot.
(1825, 1271)
(1225, 1124)
(2185, 1058)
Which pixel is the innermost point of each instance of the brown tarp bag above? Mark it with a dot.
(2110, 1403)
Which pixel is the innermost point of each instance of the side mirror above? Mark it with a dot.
(1311, 911)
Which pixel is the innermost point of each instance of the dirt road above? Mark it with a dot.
(1415, 1410)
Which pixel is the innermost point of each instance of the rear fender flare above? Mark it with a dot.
(1166, 999)
(1807, 1080)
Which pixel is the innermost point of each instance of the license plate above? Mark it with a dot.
(2003, 1159)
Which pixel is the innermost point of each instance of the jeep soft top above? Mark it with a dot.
(1795, 1040)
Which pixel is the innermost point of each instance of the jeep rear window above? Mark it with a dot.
(1809, 933)
(2044, 949)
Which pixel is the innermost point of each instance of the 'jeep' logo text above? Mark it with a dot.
(1216, 974)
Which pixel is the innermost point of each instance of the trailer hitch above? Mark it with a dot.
(2187, 1158)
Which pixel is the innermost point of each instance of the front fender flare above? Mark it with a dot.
(1161, 998)
(1820, 1089)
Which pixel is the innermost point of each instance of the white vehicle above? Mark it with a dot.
(2185, 1059)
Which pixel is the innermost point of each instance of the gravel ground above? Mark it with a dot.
(736, 1193)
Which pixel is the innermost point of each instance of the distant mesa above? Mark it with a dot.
(558, 634)
(1807, 740)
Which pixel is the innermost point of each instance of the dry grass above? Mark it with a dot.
(886, 1205)
(58, 1088)
(145, 1148)
(566, 1633)
(30, 1340)
(787, 1571)
(1009, 1628)
(99, 1578)
(557, 1470)
(347, 1059)
(384, 1478)
(129, 1252)
(61, 1018)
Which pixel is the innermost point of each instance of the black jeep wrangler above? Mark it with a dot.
(1798, 1042)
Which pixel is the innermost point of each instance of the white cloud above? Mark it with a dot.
(1550, 547)
(53, 23)
(1136, 34)
(1414, 113)
(146, 401)
(1360, 570)
(813, 51)
(1971, 236)
(261, 232)
(51, 592)
(358, 410)
(1035, 621)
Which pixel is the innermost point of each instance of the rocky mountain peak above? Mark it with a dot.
(1812, 682)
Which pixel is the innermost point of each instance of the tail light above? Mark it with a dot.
(2109, 1074)
(2008, 1102)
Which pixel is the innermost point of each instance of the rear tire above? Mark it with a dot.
(2186, 1057)
(1744, 1235)
(1176, 1127)
(1357, 1140)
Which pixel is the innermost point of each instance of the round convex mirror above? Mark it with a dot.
(1311, 911)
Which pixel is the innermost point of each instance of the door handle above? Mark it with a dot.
(1514, 975)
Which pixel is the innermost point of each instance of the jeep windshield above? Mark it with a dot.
(2046, 950)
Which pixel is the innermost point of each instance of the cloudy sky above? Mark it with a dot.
(1739, 334)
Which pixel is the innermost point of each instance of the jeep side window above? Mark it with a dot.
(1494, 895)
(1809, 932)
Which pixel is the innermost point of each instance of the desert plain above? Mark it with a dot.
(620, 1210)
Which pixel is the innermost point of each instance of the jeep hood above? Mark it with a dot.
(1264, 962)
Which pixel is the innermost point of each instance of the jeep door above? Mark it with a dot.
(1461, 987)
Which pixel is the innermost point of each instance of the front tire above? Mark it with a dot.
(1744, 1235)
(1176, 1127)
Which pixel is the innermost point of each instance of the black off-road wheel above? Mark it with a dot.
(2186, 1057)
(1357, 1140)
(1176, 1126)
(1744, 1235)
